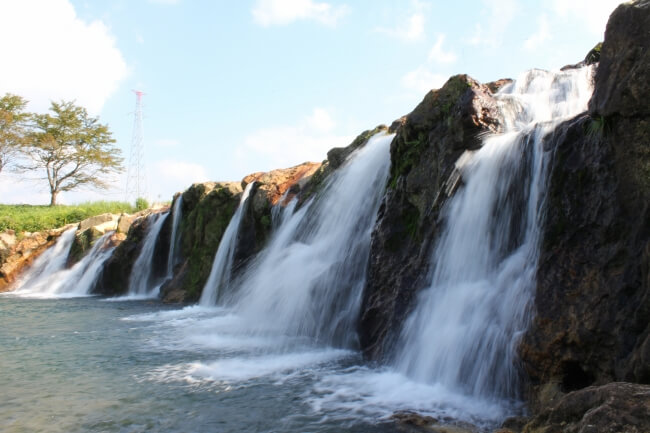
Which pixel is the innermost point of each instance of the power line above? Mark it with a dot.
(136, 175)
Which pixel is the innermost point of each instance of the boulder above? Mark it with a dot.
(274, 184)
(7, 239)
(622, 86)
(101, 223)
(615, 407)
(124, 223)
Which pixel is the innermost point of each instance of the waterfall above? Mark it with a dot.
(51, 261)
(140, 280)
(464, 330)
(220, 274)
(57, 282)
(308, 280)
(174, 238)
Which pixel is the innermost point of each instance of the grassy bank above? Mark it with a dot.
(35, 218)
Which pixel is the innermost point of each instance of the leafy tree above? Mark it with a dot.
(13, 120)
(74, 149)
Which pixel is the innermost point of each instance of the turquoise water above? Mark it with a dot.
(84, 364)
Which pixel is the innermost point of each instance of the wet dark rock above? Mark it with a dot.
(206, 211)
(622, 85)
(114, 278)
(615, 407)
(592, 304)
(428, 142)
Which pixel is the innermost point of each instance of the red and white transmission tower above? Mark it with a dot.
(136, 175)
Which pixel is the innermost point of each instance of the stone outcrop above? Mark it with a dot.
(114, 279)
(16, 255)
(428, 142)
(206, 211)
(274, 184)
(615, 407)
(88, 231)
(592, 303)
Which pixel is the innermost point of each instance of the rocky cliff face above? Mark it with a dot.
(427, 144)
(592, 318)
(206, 211)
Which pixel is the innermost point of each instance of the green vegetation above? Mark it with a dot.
(141, 204)
(35, 218)
(597, 127)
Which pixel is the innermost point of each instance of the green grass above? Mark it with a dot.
(36, 218)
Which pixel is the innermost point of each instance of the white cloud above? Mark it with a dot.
(439, 55)
(593, 13)
(321, 120)
(49, 54)
(422, 80)
(411, 30)
(540, 36)
(411, 27)
(498, 14)
(165, 2)
(173, 176)
(289, 145)
(282, 12)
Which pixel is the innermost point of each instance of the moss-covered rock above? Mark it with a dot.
(206, 211)
(428, 143)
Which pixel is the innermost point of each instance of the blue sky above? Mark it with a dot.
(237, 87)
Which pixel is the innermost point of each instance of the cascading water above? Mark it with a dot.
(221, 272)
(51, 261)
(464, 330)
(57, 282)
(308, 280)
(174, 239)
(141, 282)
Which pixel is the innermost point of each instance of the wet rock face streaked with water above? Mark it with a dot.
(592, 304)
